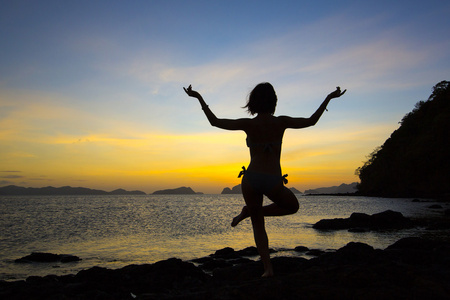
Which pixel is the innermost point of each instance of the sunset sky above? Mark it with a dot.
(91, 91)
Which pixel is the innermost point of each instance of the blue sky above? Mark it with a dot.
(91, 91)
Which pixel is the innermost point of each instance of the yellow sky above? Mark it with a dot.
(38, 146)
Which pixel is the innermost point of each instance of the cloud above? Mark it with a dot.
(12, 176)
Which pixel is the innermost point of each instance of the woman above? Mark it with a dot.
(263, 175)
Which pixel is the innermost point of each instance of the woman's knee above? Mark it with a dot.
(294, 206)
(291, 202)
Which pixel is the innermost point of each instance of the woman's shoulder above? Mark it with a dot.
(282, 120)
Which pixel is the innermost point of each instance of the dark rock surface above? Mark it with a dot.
(360, 222)
(412, 268)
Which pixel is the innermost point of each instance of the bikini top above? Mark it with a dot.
(267, 146)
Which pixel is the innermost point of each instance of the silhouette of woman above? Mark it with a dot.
(263, 175)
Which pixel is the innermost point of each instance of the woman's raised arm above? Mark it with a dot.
(297, 123)
(227, 124)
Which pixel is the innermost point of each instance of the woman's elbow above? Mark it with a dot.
(311, 122)
(214, 122)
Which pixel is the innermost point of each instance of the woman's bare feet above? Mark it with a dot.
(268, 273)
(243, 215)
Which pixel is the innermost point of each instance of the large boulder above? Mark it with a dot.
(385, 220)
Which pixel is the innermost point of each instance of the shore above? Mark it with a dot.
(411, 268)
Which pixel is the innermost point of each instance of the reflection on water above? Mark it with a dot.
(114, 231)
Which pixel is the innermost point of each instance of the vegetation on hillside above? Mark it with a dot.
(414, 161)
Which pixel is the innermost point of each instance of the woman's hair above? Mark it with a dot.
(262, 99)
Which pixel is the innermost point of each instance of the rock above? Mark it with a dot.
(389, 219)
(47, 257)
(413, 243)
(227, 251)
(435, 206)
(249, 251)
(351, 254)
(286, 265)
(419, 252)
(385, 220)
(239, 273)
(355, 252)
(301, 249)
(359, 219)
(411, 268)
(215, 264)
(315, 252)
(358, 230)
(335, 224)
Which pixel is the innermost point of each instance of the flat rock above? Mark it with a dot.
(47, 257)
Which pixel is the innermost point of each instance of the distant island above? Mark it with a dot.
(13, 190)
(235, 190)
(178, 191)
(341, 189)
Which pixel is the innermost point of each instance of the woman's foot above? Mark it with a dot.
(268, 273)
(243, 215)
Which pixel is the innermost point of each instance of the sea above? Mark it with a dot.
(115, 231)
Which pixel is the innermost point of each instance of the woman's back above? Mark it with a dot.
(264, 139)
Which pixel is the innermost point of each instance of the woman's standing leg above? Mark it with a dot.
(255, 210)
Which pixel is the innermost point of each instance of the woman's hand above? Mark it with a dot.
(337, 93)
(191, 92)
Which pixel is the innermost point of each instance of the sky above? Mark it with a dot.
(91, 91)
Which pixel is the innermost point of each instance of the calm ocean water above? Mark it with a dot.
(114, 231)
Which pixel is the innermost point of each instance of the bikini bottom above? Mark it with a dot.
(261, 182)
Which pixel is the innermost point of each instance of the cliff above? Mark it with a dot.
(414, 160)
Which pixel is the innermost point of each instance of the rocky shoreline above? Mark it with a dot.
(411, 268)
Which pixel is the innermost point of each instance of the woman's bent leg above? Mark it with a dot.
(243, 215)
(284, 202)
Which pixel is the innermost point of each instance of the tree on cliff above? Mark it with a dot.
(414, 161)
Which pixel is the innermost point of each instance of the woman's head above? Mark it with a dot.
(262, 99)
